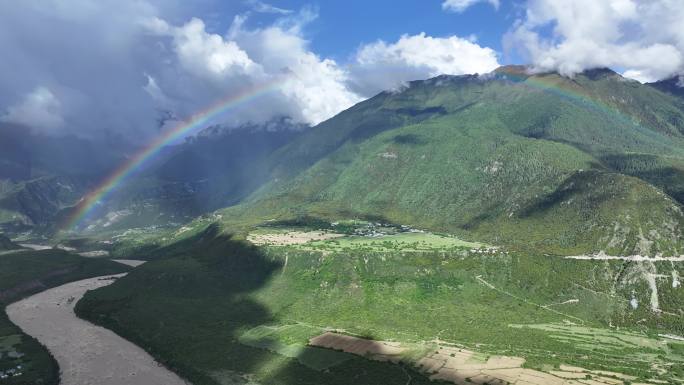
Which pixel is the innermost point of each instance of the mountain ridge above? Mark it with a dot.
(673, 85)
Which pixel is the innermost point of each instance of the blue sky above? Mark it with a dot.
(342, 26)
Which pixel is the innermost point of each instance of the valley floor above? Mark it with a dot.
(291, 304)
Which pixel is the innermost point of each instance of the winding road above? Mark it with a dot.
(87, 354)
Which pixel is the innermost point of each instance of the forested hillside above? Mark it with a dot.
(585, 164)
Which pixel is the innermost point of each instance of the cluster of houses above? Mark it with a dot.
(371, 233)
(378, 229)
(487, 250)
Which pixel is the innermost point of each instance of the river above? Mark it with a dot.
(86, 354)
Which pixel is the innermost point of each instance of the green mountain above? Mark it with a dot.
(674, 85)
(218, 167)
(36, 204)
(42, 178)
(42, 175)
(542, 162)
(588, 164)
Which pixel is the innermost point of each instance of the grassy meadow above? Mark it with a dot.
(221, 311)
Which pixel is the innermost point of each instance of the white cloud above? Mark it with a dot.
(380, 65)
(311, 89)
(637, 75)
(40, 109)
(124, 72)
(91, 60)
(645, 37)
(262, 7)
(316, 87)
(77, 67)
(206, 54)
(160, 98)
(461, 5)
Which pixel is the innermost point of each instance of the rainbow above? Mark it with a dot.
(197, 121)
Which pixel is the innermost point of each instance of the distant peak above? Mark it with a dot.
(600, 73)
(674, 81)
(527, 70)
(673, 85)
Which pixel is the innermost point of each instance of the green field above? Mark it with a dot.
(213, 304)
(210, 295)
(379, 239)
(23, 273)
(290, 341)
(398, 242)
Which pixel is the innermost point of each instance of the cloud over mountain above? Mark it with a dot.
(312, 89)
(380, 65)
(643, 37)
(78, 67)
